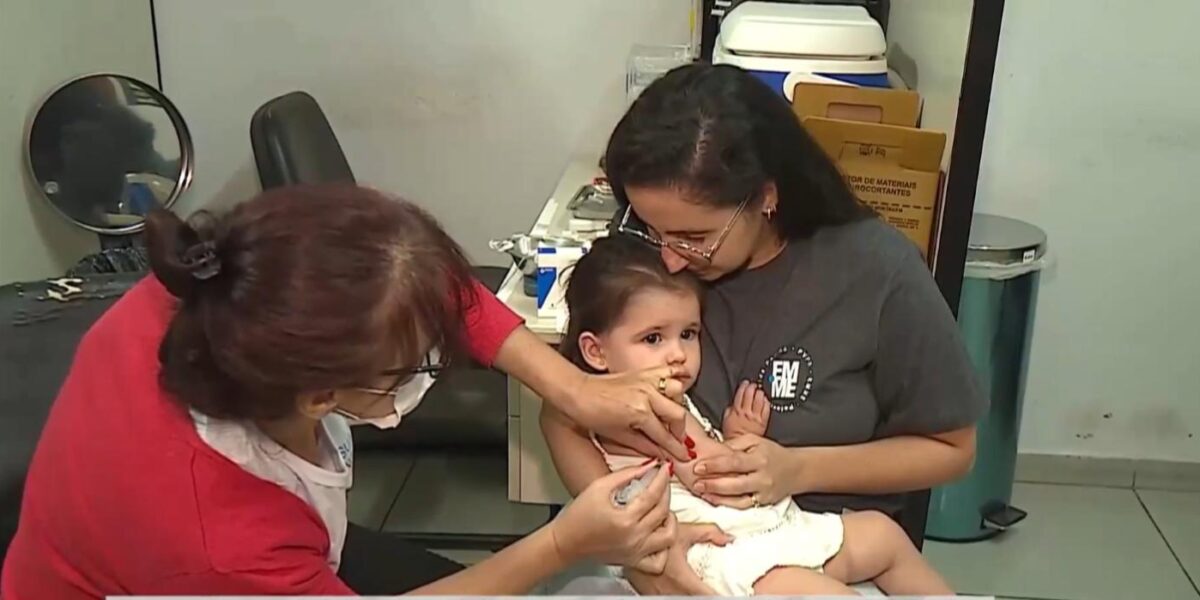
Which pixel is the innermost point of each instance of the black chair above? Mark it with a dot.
(37, 342)
(294, 143)
(914, 515)
(464, 412)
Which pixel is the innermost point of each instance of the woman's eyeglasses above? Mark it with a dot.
(628, 226)
(432, 364)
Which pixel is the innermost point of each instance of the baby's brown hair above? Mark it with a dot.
(601, 283)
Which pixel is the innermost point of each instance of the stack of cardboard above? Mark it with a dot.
(873, 134)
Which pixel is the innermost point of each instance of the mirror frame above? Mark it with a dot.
(186, 151)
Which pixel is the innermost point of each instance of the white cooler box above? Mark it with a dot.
(786, 44)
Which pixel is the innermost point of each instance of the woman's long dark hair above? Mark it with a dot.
(720, 134)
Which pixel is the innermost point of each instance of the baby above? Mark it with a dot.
(627, 312)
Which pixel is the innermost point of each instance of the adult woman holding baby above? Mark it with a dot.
(828, 310)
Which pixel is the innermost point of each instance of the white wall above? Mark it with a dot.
(1094, 134)
(468, 107)
(42, 43)
(927, 47)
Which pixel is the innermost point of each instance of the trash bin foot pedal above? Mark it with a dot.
(1000, 516)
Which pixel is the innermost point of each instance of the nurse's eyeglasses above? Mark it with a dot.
(630, 226)
(431, 364)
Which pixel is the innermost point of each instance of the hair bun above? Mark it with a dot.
(201, 260)
(182, 254)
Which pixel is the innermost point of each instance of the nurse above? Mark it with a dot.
(831, 311)
(201, 445)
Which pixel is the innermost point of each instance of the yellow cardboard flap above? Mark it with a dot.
(871, 105)
(853, 141)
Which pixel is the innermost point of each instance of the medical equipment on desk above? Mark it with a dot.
(594, 203)
(554, 262)
(523, 249)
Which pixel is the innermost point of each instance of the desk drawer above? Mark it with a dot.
(532, 478)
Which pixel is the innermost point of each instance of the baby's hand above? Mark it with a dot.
(749, 412)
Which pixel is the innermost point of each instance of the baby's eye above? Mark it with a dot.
(653, 339)
(690, 334)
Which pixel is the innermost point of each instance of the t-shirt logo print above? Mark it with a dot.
(787, 378)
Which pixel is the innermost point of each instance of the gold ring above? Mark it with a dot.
(662, 386)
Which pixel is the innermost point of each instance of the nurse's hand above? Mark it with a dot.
(639, 410)
(677, 577)
(592, 526)
(759, 473)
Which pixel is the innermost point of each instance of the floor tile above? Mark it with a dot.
(462, 494)
(1177, 515)
(378, 479)
(1077, 543)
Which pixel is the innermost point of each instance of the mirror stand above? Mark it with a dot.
(129, 240)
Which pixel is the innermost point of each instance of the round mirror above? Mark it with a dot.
(106, 149)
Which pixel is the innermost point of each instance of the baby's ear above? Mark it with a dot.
(592, 351)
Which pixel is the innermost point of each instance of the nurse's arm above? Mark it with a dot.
(889, 465)
(578, 461)
(626, 407)
(629, 407)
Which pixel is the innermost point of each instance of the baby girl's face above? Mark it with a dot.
(659, 327)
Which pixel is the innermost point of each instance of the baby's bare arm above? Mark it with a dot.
(705, 447)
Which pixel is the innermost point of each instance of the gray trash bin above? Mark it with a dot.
(995, 314)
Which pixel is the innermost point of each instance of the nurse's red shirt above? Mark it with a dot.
(124, 498)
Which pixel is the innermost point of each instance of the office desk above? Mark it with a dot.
(531, 475)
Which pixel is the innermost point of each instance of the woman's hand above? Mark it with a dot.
(636, 410)
(677, 577)
(593, 526)
(654, 564)
(759, 472)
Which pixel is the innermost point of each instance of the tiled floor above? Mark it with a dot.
(1078, 542)
(1086, 543)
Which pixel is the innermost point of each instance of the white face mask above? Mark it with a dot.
(405, 399)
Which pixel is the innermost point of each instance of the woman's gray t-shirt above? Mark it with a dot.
(850, 338)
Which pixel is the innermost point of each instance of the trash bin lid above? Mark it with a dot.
(996, 239)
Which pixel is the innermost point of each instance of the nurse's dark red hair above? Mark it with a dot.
(302, 289)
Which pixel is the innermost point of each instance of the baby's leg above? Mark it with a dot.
(876, 548)
(795, 581)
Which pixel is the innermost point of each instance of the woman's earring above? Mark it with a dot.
(769, 213)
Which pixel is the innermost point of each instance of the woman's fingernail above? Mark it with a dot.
(691, 454)
(689, 442)
(671, 469)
